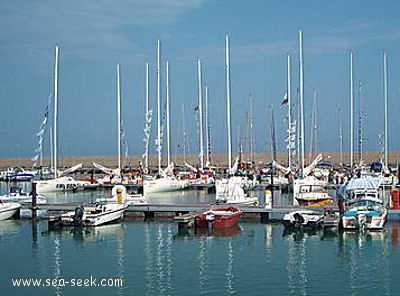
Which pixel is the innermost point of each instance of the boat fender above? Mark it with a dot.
(115, 190)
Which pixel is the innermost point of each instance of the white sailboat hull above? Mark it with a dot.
(60, 184)
(165, 184)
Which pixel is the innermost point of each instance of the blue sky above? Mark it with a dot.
(95, 35)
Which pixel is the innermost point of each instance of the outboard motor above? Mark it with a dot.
(298, 220)
(79, 211)
(361, 219)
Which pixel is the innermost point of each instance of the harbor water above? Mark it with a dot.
(137, 257)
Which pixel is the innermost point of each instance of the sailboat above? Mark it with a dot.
(165, 180)
(233, 188)
(58, 182)
(114, 176)
(307, 190)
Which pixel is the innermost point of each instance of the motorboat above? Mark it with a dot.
(16, 174)
(365, 215)
(363, 189)
(221, 217)
(17, 194)
(8, 209)
(313, 195)
(303, 219)
(311, 192)
(21, 174)
(165, 183)
(130, 199)
(94, 214)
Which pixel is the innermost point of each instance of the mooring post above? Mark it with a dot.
(148, 216)
(272, 183)
(34, 201)
(34, 214)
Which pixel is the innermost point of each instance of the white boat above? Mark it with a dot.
(16, 194)
(363, 189)
(164, 184)
(8, 209)
(59, 184)
(310, 191)
(130, 199)
(94, 214)
(16, 174)
(233, 192)
(303, 219)
(365, 215)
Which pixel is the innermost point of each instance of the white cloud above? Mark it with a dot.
(85, 25)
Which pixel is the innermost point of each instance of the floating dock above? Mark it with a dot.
(151, 211)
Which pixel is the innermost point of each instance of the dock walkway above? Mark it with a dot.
(150, 211)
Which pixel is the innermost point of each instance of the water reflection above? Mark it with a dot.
(230, 287)
(163, 260)
(9, 227)
(203, 232)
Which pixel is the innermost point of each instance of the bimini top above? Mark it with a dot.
(364, 183)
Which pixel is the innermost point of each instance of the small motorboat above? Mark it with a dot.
(216, 218)
(94, 214)
(16, 194)
(8, 209)
(303, 219)
(365, 215)
(313, 195)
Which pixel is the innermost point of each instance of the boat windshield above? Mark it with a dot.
(365, 203)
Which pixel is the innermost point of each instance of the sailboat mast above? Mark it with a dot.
(228, 100)
(119, 116)
(167, 111)
(146, 160)
(184, 132)
(207, 127)
(340, 136)
(385, 94)
(301, 100)
(158, 106)
(313, 133)
(55, 113)
(351, 112)
(361, 123)
(200, 110)
(289, 114)
(273, 135)
(251, 128)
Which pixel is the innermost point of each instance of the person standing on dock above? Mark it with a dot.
(341, 197)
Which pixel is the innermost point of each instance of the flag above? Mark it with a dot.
(285, 100)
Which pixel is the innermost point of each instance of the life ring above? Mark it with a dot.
(115, 190)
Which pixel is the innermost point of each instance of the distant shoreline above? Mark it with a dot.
(219, 160)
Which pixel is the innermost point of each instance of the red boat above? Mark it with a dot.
(218, 217)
